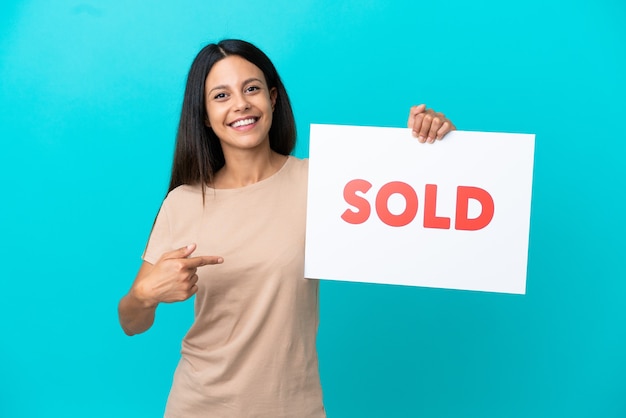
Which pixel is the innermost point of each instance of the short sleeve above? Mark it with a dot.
(160, 240)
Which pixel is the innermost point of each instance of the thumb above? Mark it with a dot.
(182, 252)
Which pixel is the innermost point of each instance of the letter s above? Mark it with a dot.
(363, 206)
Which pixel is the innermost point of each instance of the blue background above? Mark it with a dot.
(90, 93)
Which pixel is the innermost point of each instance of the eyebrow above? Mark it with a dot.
(224, 86)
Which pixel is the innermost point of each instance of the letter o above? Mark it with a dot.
(382, 199)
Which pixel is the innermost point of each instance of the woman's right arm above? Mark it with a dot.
(171, 279)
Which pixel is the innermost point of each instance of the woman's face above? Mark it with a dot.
(239, 104)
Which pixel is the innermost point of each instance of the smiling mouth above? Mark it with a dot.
(243, 122)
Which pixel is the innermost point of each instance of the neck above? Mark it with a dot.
(245, 168)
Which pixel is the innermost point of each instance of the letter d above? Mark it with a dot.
(463, 195)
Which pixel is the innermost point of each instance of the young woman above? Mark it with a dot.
(231, 231)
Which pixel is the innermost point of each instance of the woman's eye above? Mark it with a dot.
(252, 88)
(219, 96)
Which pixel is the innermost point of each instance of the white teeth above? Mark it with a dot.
(243, 122)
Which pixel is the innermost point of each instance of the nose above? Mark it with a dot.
(241, 103)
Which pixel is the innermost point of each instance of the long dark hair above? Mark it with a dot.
(198, 153)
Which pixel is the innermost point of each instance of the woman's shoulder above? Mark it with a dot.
(185, 190)
(299, 164)
(184, 194)
(295, 173)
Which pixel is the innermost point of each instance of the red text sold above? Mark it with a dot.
(462, 221)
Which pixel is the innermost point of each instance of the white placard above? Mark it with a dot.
(454, 214)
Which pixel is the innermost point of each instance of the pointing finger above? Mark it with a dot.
(204, 260)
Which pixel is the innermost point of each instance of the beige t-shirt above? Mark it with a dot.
(251, 349)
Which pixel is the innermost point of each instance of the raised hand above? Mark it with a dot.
(428, 125)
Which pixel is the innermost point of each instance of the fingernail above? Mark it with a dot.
(414, 134)
(431, 140)
(421, 139)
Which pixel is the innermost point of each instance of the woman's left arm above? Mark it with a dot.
(428, 125)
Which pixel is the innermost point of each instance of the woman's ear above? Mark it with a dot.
(273, 97)
(206, 121)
